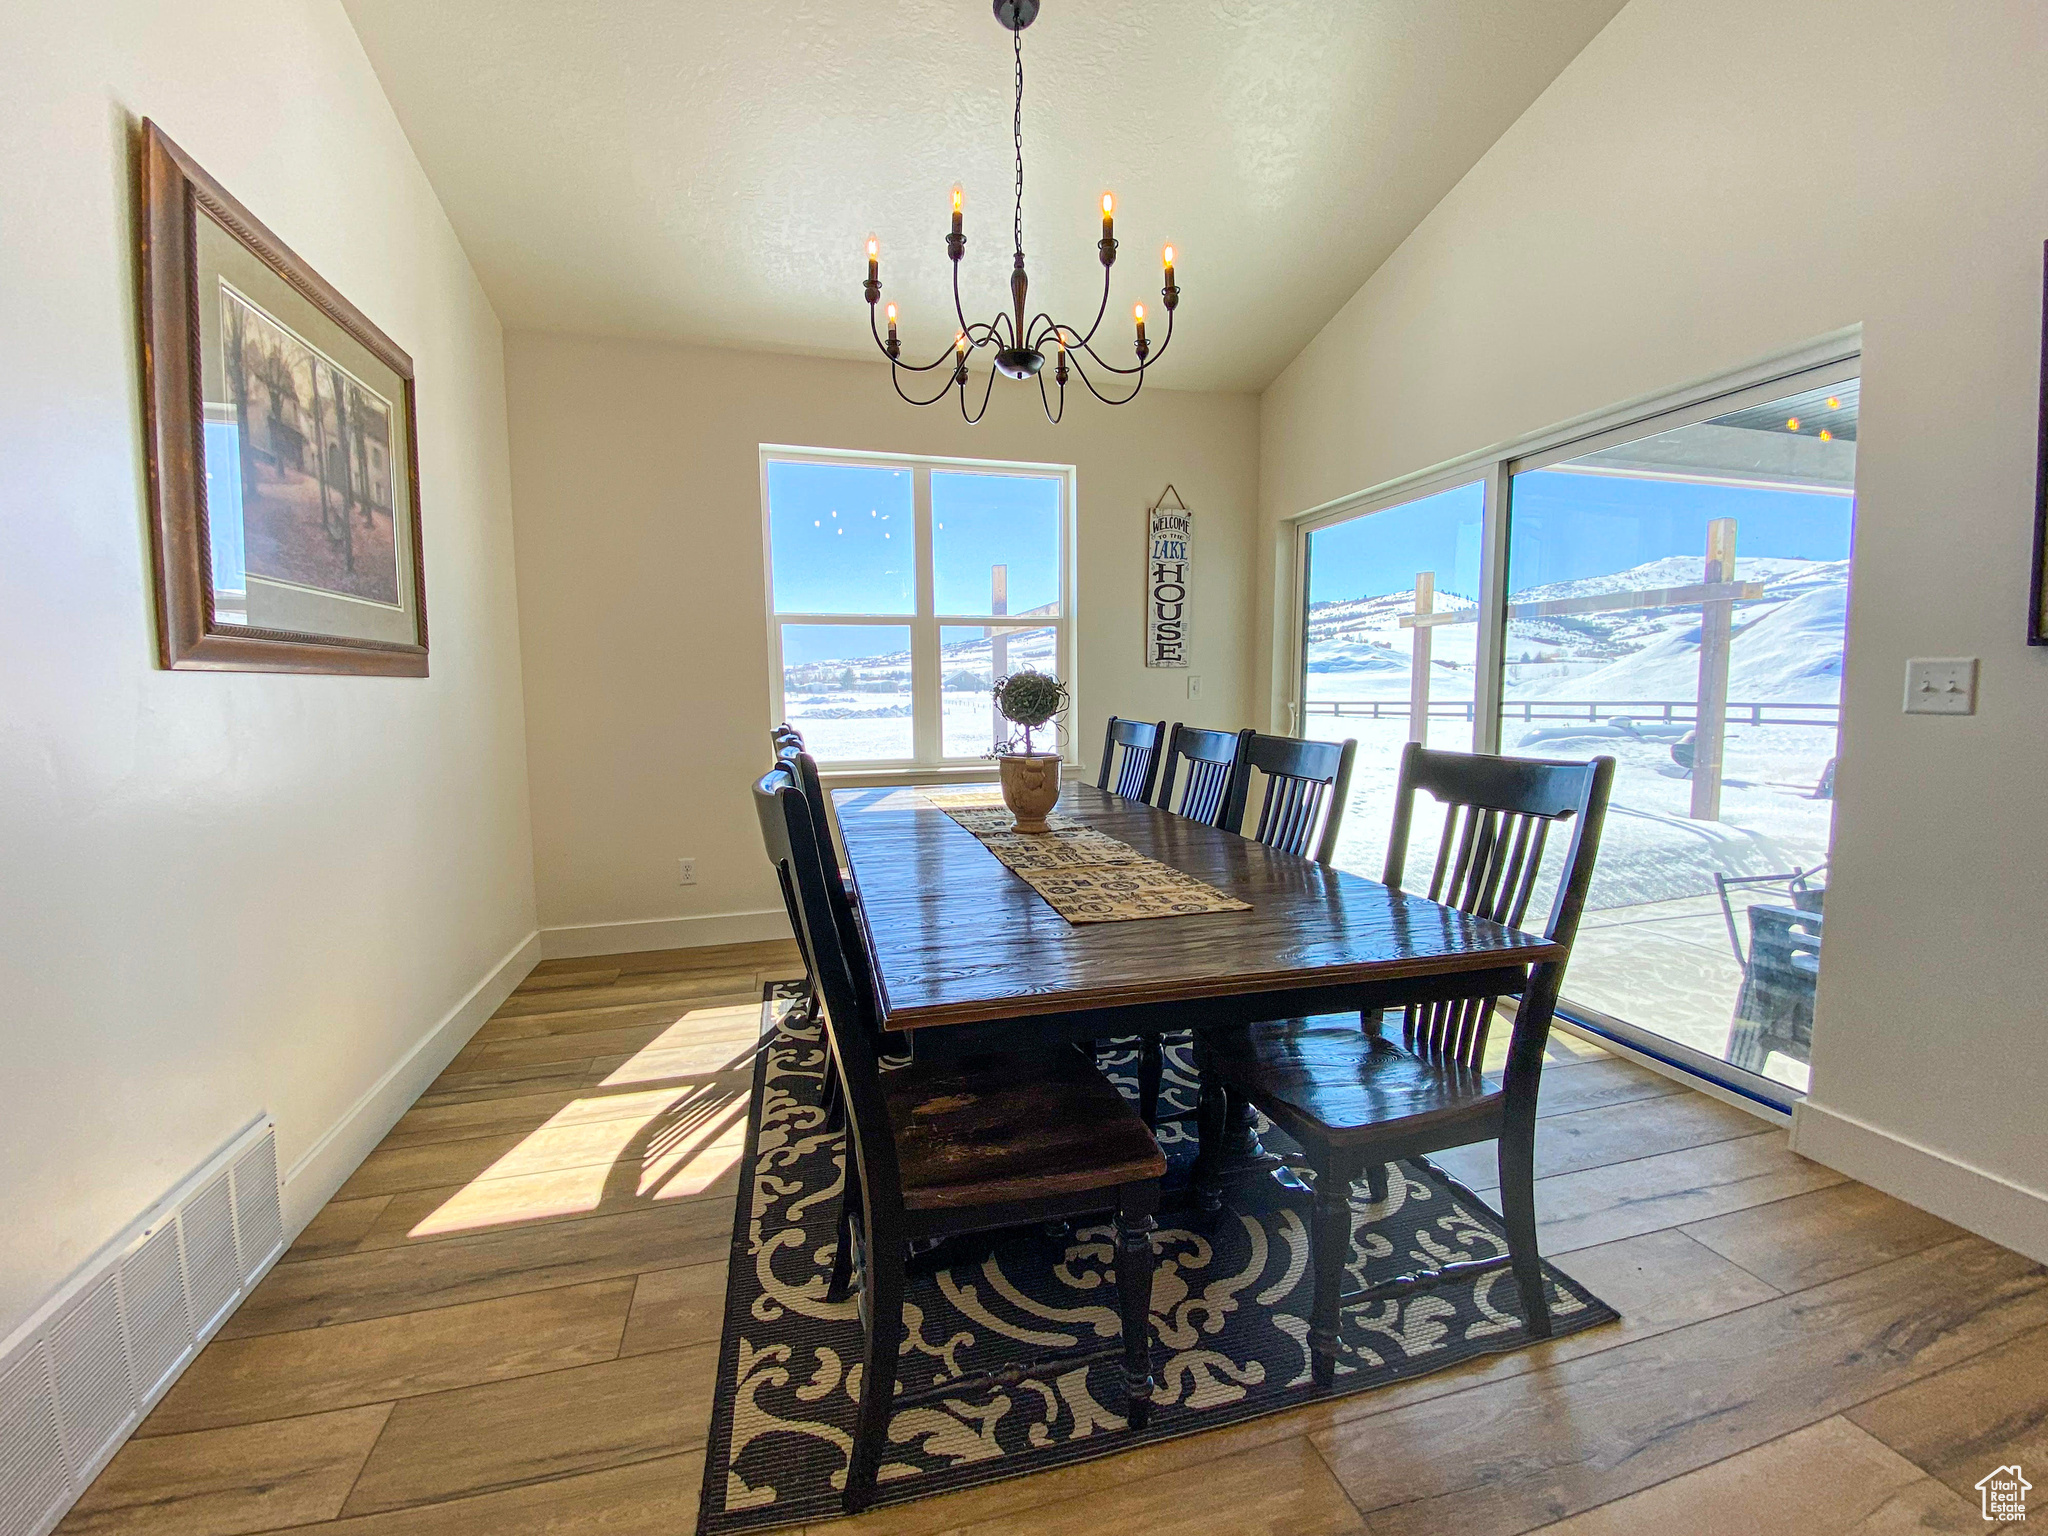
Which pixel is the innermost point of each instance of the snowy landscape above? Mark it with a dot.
(858, 709)
(1615, 672)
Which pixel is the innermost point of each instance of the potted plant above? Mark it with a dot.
(1031, 780)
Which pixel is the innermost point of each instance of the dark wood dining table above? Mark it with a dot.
(960, 944)
(967, 955)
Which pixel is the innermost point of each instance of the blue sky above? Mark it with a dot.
(1565, 527)
(844, 541)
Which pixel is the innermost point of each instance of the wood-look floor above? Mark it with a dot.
(506, 1324)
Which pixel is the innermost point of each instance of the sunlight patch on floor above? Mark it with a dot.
(702, 1042)
(618, 1151)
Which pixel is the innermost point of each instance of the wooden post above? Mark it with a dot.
(1716, 630)
(1418, 669)
(999, 643)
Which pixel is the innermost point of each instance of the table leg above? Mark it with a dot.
(1230, 1153)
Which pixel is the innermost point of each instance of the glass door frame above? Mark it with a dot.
(1830, 360)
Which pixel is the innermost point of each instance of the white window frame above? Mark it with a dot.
(1830, 357)
(927, 762)
(1827, 360)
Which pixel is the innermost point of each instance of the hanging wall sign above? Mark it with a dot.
(1169, 534)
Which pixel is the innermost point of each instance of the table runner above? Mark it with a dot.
(1083, 874)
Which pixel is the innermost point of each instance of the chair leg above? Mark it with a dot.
(1151, 1073)
(835, 1110)
(1376, 1182)
(1518, 1211)
(1329, 1252)
(1212, 1120)
(842, 1258)
(1134, 1226)
(882, 1292)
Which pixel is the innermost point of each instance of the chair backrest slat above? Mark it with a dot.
(1306, 784)
(1498, 815)
(1141, 741)
(845, 1008)
(1211, 760)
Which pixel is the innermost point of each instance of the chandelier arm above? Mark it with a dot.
(987, 390)
(1098, 394)
(897, 362)
(1050, 414)
(1150, 358)
(911, 399)
(959, 313)
(1100, 310)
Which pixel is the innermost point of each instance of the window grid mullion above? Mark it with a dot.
(927, 703)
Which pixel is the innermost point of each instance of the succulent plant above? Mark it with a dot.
(1029, 700)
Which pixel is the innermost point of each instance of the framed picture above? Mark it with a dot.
(283, 449)
(2037, 612)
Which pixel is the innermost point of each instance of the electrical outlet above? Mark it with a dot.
(1941, 685)
(1194, 685)
(686, 871)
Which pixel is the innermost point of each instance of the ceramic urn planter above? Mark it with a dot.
(1031, 787)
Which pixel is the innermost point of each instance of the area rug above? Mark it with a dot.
(1230, 1306)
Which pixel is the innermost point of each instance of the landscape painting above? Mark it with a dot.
(315, 461)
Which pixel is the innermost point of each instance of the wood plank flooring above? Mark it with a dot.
(506, 1322)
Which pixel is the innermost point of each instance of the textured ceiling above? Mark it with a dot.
(709, 171)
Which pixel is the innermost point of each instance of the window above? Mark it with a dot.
(901, 588)
(1670, 591)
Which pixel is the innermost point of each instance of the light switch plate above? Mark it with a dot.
(1941, 685)
(1194, 685)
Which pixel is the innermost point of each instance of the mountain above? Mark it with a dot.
(1787, 645)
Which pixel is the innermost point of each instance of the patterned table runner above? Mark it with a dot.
(1084, 875)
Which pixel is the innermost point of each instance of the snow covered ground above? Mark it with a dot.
(858, 709)
(1656, 948)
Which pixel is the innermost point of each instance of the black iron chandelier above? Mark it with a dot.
(1020, 345)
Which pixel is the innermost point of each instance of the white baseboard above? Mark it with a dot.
(1991, 1206)
(576, 942)
(311, 1181)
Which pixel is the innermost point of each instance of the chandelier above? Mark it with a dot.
(1020, 345)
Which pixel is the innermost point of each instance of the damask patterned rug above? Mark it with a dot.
(1230, 1307)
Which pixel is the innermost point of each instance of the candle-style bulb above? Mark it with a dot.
(958, 198)
(892, 322)
(874, 258)
(960, 343)
(1138, 314)
(1108, 217)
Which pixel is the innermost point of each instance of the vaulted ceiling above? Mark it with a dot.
(708, 170)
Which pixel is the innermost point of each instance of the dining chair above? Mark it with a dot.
(1357, 1101)
(969, 1145)
(1211, 758)
(803, 770)
(1141, 740)
(1302, 777)
(785, 735)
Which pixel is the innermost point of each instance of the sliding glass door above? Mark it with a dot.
(1671, 593)
(1389, 646)
(1678, 602)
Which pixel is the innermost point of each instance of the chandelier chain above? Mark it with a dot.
(1017, 132)
(1020, 344)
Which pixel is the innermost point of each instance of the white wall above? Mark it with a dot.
(225, 892)
(637, 489)
(1703, 186)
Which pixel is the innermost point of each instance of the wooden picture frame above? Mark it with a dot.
(217, 288)
(2037, 610)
